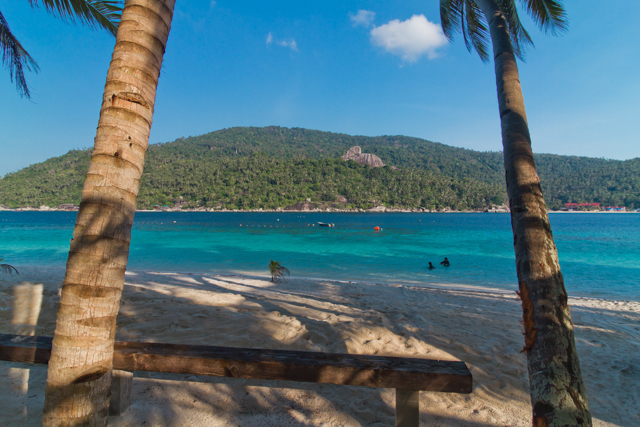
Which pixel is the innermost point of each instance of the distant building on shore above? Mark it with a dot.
(615, 209)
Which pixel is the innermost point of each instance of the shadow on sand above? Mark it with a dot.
(322, 316)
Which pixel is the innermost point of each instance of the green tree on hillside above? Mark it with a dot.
(558, 394)
(94, 13)
(197, 169)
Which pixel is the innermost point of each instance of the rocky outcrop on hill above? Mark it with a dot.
(356, 154)
(504, 208)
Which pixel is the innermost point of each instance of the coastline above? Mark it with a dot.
(329, 210)
(480, 327)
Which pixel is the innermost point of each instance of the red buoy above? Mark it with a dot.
(376, 228)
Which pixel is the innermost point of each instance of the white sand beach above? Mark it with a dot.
(481, 328)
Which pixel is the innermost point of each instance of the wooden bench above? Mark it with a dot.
(408, 376)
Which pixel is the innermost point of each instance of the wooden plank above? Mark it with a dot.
(25, 348)
(30, 349)
(287, 365)
(407, 408)
(329, 368)
(121, 385)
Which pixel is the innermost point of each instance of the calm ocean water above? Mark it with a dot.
(599, 253)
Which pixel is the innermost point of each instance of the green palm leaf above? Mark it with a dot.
(15, 58)
(96, 14)
(277, 271)
(550, 15)
(93, 13)
(6, 268)
(520, 38)
(477, 39)
(466, 17)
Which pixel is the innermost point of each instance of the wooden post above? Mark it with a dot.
(121, 383)
(407, 408)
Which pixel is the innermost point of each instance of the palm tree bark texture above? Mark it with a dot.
(557, 391)
(79, 374)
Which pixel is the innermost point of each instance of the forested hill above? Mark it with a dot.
(267, 167)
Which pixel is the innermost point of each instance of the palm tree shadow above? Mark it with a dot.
(228, 401)
(254, 310)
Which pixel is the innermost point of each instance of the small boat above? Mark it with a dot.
(324, 224)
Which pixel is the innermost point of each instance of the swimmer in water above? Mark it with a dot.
(431, 267)
(445, 262)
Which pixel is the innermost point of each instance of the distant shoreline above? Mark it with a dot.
(385, 210)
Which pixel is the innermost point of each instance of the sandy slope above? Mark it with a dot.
(480, 328)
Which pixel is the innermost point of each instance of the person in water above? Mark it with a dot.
(445, 262)
(431, 267)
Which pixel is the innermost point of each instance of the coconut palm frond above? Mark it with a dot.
(15, 58)
(465, 30)
(285, 271)
(550, 15)
(450, 11)
(465, 17)
(278, 271)
(478, 33)
(93, 13)
(6, 268)
(520, 38)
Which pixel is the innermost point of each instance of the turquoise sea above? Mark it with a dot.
(599, 253)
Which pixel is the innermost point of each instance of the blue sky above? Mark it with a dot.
(356, 67)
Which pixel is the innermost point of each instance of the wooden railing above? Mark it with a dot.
(407, 375)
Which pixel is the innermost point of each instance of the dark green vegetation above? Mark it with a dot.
(248, 168)
(258, 181)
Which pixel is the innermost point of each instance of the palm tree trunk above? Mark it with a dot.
(79, 374)
(558, 394)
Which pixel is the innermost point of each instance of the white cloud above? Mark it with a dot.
(409, 39)
(290, 43)
(363, 17)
